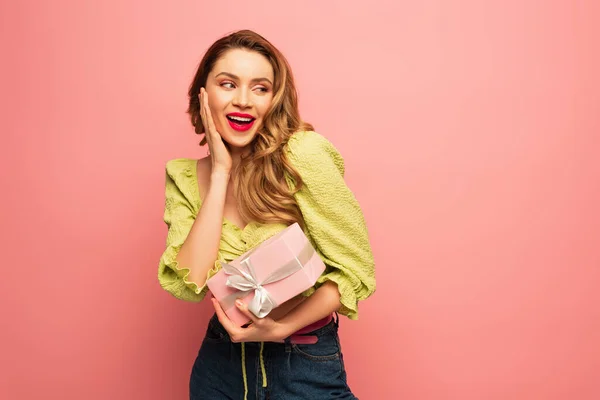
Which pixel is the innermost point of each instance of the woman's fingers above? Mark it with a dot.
(216, 147)
(203, 117)
(201, 109)
(209, 120)
(260, 330)
(244, 309)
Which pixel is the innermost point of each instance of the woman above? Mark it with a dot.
(265, 170)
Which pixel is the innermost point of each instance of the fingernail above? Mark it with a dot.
(239, 303)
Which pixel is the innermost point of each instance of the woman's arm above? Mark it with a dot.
(200, 248)
(193, 240)
(324, 301)
(194, 231)
(334, 220)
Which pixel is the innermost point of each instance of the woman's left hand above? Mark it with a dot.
(260, 330)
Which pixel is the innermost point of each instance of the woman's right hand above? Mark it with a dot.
(220, 156)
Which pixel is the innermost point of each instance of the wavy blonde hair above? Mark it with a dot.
(259, 179)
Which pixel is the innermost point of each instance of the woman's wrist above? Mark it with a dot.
(220, 174)
(283, 331)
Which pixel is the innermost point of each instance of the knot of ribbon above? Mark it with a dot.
(245, 280)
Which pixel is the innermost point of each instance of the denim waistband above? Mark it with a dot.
(215, 324)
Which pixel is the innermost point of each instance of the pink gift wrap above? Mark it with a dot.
(288, 250)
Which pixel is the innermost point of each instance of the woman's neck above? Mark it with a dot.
(236, 155)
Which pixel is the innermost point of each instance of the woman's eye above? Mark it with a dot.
(230, 85)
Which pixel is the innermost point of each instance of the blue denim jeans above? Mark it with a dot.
(292, 371)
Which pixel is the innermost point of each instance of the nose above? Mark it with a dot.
(242, 98)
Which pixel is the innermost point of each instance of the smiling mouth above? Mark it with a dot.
(240, 124)
(240, 120)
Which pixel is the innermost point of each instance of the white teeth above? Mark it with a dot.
(239, 118)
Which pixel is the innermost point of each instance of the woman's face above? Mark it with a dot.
(240, 89)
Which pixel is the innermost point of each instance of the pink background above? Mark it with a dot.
(471, 134)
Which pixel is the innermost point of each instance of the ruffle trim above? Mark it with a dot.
(183, 273)
(348, 298)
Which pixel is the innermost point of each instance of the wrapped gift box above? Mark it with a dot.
(268, 275)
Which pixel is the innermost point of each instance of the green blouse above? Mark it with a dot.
(334, 222)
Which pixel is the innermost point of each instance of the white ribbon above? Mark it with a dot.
(245, 281)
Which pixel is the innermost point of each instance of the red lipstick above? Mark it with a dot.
(240, 122)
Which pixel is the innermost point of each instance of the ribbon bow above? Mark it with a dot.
(245, 281)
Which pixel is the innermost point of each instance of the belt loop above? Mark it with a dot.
(337, 319)
(288, 344)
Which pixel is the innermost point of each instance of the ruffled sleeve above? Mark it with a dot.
(180, 212)
(334, 220)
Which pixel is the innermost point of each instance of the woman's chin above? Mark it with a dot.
(239, 140)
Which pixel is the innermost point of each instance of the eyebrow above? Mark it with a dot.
(232, 76)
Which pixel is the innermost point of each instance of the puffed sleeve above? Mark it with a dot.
(333, 218)
(179, 215)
